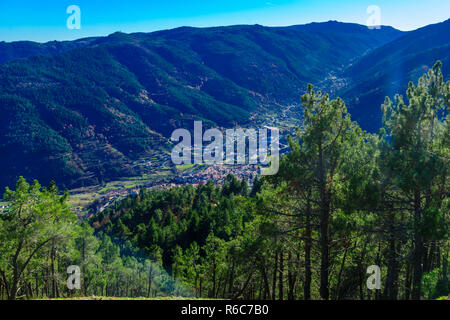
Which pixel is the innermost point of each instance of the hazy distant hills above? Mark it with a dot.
(387, 70)
(82, 111)
(24, 49)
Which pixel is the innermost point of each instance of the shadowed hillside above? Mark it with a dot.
(388, 69)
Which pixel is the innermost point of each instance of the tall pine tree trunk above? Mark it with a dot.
(324, 226)
(308, 245)
(274, 276)
(418, 250)
(280, 281)
(392, 271)
(407, 281)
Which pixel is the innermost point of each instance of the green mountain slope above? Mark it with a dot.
(388, 69)
(83, 112)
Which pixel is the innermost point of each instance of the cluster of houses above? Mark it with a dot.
(107, 200)
(214, 173)
(156, 161)
(217, 174)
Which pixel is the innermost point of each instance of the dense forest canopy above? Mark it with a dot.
(344, 199)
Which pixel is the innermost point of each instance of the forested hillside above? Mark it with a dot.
(343, 200)
(23, 49)
(387, 70)
(365, 180)
(86, 110)
(41, 238)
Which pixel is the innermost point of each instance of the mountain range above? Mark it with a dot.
(387, 70)
(81, 112)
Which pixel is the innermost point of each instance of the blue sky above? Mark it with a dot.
(45, 20)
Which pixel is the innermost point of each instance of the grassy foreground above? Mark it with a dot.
(98, 298)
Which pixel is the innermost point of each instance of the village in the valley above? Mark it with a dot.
(163, 174)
